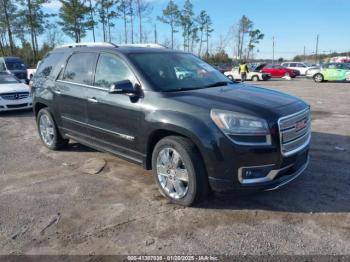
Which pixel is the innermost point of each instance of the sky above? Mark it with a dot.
(294, 24)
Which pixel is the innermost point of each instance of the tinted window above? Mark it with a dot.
(300, 65)
(48, 63)
(79, 68)
(15, 65)
(111, 69)
(292, 65)
(160, 70)
(285, 64)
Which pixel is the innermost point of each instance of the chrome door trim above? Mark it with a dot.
(127, 137)
(83, 85)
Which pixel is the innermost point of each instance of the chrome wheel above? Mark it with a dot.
(318, 78)
(172, 173)
(47, 132)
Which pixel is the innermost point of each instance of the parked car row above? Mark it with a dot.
(253, 75)
(324, 72)
(302, 67)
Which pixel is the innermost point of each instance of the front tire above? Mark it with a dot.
(230, 77)
(48, 131)
(318, 78)
(179, 171)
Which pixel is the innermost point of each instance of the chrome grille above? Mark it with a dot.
(14, 96)
(295, 132)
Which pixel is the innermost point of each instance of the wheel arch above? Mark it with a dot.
(38, 106)
(158, 135)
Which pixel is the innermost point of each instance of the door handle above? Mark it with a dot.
(92, 100)
(57, 91)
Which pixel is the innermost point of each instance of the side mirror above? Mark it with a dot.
(123, 87)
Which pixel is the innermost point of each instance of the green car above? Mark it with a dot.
(333, 72)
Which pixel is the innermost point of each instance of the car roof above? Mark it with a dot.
(11, 58)
(119, 49)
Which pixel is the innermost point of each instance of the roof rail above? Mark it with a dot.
(88, 44)
(149, 45)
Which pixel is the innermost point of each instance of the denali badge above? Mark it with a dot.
(300, 125)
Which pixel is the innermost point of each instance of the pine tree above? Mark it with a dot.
(32, 16)
(187, 21)
(7, 14)
(171, 16)
(74, 18)
(144, 9)
(208, 31)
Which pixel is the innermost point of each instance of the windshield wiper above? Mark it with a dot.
(220, 83)
(182, 89)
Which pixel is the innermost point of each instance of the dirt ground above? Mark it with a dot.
(50, 205)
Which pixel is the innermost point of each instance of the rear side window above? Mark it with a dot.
(111, 69)
(48, 63)
(79, 68)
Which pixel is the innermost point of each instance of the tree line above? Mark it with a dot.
(22, 22)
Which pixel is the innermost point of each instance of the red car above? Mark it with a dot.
(279, 71)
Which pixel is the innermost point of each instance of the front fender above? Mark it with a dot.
(201, 131)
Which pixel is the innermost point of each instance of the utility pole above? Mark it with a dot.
(304, 54)
(273, 50)
(316, 53)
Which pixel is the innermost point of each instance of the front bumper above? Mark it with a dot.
(264, 167)
(12, 105)
(292, 167)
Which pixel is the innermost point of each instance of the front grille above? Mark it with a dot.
(17, 106)
(295, 132)
(15, 96)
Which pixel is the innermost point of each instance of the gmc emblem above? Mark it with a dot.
(300, 125)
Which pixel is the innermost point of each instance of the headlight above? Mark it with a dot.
(242, 128)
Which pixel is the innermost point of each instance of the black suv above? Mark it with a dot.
(173, 113)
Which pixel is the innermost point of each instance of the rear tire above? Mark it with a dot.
(48, 131)
(318, 78)
(255, 78)
(179, 171)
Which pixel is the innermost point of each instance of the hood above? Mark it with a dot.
(13, 88)
(259, 67)
(240, 98)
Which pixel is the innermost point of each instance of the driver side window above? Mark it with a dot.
(111, 69)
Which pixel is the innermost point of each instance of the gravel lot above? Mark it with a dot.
(53, 203)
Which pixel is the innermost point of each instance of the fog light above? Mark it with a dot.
(253, 173)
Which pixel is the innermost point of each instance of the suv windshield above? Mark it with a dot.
(15, 65)
(162, 71)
